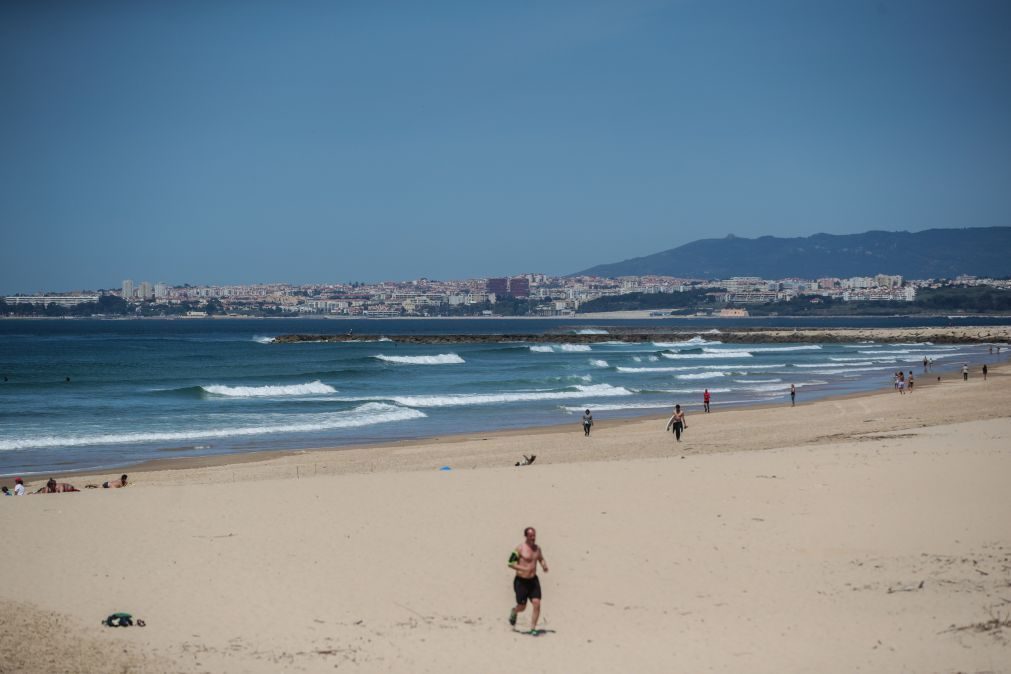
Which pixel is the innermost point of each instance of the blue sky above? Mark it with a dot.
(231, 142)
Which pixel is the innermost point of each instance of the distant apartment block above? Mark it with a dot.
(60, 300)
(498, 286)
(519, 286)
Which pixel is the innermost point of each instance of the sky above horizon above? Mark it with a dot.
(244, 141)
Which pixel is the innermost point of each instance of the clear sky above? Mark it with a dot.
(230, 142)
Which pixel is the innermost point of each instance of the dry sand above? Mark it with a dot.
(865, 533)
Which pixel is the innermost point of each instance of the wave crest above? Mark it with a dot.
(441, 359)
(312, 388)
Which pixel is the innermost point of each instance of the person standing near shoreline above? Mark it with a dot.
(793, 395)
(965, 372)
(523, 561)
(984, 371)
(705, 400)
(910, 381)
(587, 423)
(677, 421)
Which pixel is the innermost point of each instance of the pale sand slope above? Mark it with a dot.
(757, 561)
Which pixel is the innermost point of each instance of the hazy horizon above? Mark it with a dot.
(237, 142)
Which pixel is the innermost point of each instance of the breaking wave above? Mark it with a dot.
(312, 388)
(441, 359)
(364, 415)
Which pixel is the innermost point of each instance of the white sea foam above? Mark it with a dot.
(263, 340)
(637, 359)
(541, 348)
(693, 342)
(312, 388)
(441, 359)
(364, 415)
(758, 381)
(574, 347)
(848, 364)
(463, 399)
(695, 390)
(599, 363)
(781, 387)
(702, 375)
(764, 349)
(847, 370)
(681, 368)
(591, 331)
(707, 354)
(612, 407)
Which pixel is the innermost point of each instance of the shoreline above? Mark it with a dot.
(368, 457)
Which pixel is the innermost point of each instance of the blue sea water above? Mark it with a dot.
(155, 389)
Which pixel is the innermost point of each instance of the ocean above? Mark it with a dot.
(158, 389)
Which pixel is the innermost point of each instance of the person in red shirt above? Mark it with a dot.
(705, 400)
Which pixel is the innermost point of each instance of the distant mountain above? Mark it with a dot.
(933, 253)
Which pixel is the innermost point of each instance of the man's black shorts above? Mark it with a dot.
(526, 588)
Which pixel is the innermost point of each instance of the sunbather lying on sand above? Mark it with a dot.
(54, 487)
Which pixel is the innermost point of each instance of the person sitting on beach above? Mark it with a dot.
(19, 487)
(54, 487)
(115, 484)
(6, 491)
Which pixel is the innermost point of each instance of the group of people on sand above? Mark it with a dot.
(902, 382)
(54, 487)
(677, 423)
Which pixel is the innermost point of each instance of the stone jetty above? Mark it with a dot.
(962, 335)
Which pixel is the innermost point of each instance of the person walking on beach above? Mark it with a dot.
(925, 363)
(587, 422)
(984, 371)
(705, 400)
(793, 395)
(677, 421)
(910, 381)
(527, 587)
(965, 372)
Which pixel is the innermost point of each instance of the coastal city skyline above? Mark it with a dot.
(230, 142)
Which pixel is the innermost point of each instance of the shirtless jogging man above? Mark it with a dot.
(523, 561)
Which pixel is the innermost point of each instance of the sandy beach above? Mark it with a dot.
(861, 533)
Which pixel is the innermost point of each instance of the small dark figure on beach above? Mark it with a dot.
(965, 372)
(984, 371)
(705, 400)
(587, 423)
(527, 460)
(910, 381)
(925, 362)
(793, 395)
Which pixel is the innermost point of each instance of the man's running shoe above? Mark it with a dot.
(512, 617)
